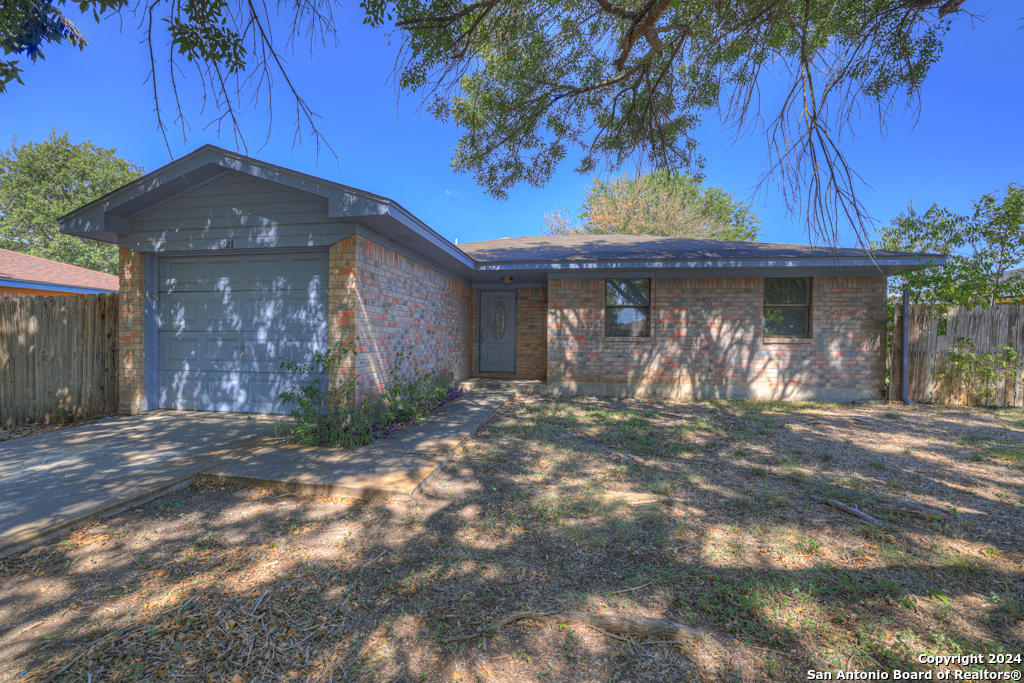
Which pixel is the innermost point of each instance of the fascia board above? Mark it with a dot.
(51, 287)
(662, 273)
(86, 218)
(728, 264)
(410, 221)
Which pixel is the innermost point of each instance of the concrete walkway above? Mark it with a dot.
(54, 481)
(396, 466)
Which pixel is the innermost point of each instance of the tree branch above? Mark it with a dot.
(445, 19)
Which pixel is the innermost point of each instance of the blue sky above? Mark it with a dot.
(969, 141)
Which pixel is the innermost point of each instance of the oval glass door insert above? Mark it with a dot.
(499, 316)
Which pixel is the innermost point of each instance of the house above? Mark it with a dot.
(24, 275)
(229, 265)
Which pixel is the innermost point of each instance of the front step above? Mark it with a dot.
(520, 386)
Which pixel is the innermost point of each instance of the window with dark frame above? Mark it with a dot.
(627, 307)
(787, 307)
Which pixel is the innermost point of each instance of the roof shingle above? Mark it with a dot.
(646, 248)
(32, 269)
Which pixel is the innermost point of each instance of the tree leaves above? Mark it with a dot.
(528, 81)
(658, 204)
(26, 25)
(205, 35)
(532, 83)
(980, 248)
(40, 182)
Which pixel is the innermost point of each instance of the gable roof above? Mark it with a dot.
(17, 269)
(108, 217)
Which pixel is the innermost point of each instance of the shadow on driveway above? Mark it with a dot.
(51, 481)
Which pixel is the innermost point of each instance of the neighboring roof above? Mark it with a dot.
(17, 269)
(653, 248)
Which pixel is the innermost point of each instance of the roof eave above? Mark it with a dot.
(893, 264)
(54, 286)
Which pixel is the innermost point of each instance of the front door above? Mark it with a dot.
(497, 334)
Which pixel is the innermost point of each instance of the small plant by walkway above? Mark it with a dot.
(325, 409)
(558, 518)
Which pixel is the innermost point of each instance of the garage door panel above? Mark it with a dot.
(182, 349)
(225, 349)
(200, 349)
(287, 272)
(294, 310)
(224, 391)
(250, 351)
(271, 289)
(226, 323)
(245, 392)
(201, 273)
(223, 315)
(298, 311)
(278, 347)
(178, 272)
(202, 310)
(230, 273)
(179, 314)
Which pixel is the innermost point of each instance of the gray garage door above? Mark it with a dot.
(227, 321)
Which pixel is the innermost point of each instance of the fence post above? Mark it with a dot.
(895, 356)
(6, 364)
(905, 346)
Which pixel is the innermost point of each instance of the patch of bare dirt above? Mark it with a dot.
(8, 432)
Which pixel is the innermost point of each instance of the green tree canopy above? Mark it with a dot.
(658, 204)
(40, 182)
(980, 247)
(530, 82)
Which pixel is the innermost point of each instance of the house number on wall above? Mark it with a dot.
(227, 244)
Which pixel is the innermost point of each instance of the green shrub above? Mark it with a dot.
(328, 416)
(979, 374)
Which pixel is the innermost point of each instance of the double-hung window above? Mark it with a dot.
(627, 307)
(787, 307)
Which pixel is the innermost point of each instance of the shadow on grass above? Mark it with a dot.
(537, 515)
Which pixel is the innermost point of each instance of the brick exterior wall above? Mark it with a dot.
(531, 336)
(131, 313)
(706, 337)
(392, 303)
(707, 342)
(341, 301)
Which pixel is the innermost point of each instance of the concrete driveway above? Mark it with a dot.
(56, 480)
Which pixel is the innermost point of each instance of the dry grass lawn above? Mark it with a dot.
(552, 507)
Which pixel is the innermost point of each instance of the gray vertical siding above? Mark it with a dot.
(236, 211)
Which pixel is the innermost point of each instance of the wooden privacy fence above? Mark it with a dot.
(58, 357)
(929, 351)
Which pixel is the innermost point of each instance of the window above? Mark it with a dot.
(627, 307)
(787, 307)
